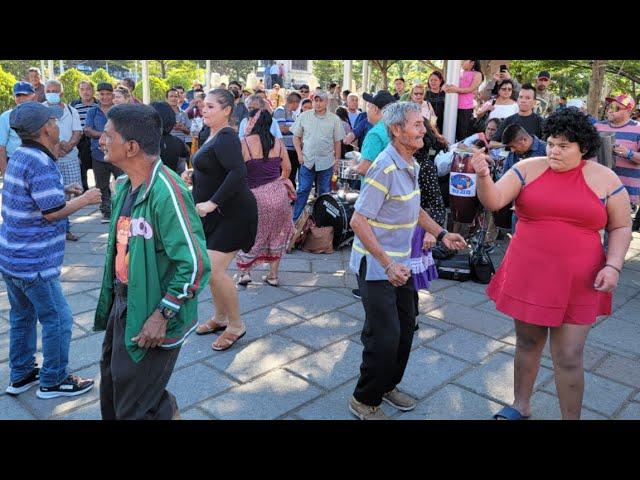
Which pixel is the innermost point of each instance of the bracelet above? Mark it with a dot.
(386, 269)
(615, 268)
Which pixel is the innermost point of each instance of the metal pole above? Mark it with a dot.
(61, 67)
(146, 94)
(52, 73)
(451, 101)
(43, 70)
(346, 75)
(207, 78)
(365, 80)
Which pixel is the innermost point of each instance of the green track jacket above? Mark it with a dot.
(168, 259)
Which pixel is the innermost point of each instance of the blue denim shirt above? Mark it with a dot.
(538, 149)
(96, 119)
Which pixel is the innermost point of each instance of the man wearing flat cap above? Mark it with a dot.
(32, 240)
(9, 140)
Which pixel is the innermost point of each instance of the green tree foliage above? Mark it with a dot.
(7, 80)
(184, 76)
(101, 75)
(157, 86)
(70, 80)
(327, 71)
(19, 68)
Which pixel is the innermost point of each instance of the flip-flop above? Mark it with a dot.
(271, 281)
(230, 342)
(245, 280)
(509, 413)
(218, 327)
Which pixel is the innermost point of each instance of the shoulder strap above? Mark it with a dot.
(248, 149)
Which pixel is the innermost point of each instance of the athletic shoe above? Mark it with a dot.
(105, 218)
(356, 293)
(25, 384)
(70, 387)
(365, 412)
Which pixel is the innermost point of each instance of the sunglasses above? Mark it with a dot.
(615, 107)
(507, 89)
(543, 79)
(304, 91)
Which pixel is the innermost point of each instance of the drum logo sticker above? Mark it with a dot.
(462, 184)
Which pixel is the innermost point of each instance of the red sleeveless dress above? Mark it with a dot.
(547, 275)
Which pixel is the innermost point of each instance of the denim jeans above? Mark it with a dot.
(305, 181)
(33, 300)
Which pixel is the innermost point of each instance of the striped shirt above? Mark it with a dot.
(30, 245)
(82, 109)
(627, 136)
(390, 199)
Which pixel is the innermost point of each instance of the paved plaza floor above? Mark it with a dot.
(300, 358)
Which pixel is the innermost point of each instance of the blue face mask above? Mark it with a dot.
(52, 97)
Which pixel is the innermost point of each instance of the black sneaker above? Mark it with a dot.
(105, 218)
(25, 384)
(356, 293)
(70, 387)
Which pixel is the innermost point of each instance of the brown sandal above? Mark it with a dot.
(229, 338)
(206, 328)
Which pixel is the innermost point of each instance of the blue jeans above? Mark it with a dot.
(305, 181)
(33, 300)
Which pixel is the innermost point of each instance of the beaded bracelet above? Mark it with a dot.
(386, 269)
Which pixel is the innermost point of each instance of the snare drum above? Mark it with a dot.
(463, 200)
(345, 173)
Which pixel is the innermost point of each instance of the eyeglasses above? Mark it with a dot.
(304, 91)
(418, 93)
(506, 89)
(318, 99)
(615, 107)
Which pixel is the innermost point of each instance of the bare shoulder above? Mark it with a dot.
(533, 163)
(601, 175)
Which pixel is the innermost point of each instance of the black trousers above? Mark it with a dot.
(130, 390)
(295, 166)
(84, 150)
(102, 172)
(390, 317)
(462, 124)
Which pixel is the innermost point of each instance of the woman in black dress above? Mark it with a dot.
(228, 209)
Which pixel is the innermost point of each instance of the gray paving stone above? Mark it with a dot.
(299, 254)
(544, 361)
(92, 237)
(475, 287)
(452, 403)
(194, 414)
(4, 301)
(288, 264)
(547, 407)
(196, 348)
(473, 319)
(618, 333)
(258, 297)
(622, 295)
(12, 409)
(4, 325)
(90, 227)
(629, 312)
(324, 330)
(423, 335)
(85, 351)
(494, 378)
(88, 412)
(335, 406)
(428, 369)
(84, 260)
(328, 266)
(461, 296)
(331, 366)
(265, 398)
(312, 279)
(316, 303)
(350, 280)
(428, 301)
(630, 412)
(600, 394)
(466, 345)
(434, 322)
(298, 290)
(631, 253)
(491, 308)
(82, 302)
(245, 362)
(81, 274)
(441, 284)
(356, 310)
(198, 382)
(268, 320)
(629, 278)
(70, 288)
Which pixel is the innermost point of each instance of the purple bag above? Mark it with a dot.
(423, 268)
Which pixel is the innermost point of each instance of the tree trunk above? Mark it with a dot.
(595, 86)
(163, 69)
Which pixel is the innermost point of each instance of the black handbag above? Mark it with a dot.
(481, 266)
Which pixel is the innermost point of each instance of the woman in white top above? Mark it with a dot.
(417, 96)
(503, 105)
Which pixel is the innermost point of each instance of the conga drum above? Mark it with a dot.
(463, 199)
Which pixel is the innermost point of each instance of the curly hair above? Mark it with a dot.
(573, 125)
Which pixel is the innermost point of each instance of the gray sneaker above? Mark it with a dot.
(365, 412)
(400, 400)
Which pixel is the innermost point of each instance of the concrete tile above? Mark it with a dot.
(70, 288)
(328, 266)
(194, 414)
(466, 345)
(618, 333)
(260, 296)
(324, 330)
(268, 320)
(491, 308)
(629, 312)
(265, 398)
(312, 279)
(461, 296)
(441, 284)
(196, 348)
(245, 362)
(600, 394)
(89, 412)
(356, 310)
(428, 369)
(198, 382)
(434, 322)
(85, 351)
(84, 260)
(622, 294)
(288, 264)
(473, 319)
(629, 278)
(544, 361)
(475, 287)
(81, 274)
(12, 409)
(82, 302)
(621, 369)
(429, 301)
(452, 403)
(331, 366)
(494, 378)
(298, 290)
(423, 335)
(547, 407)
(630, 412)
(316, 303)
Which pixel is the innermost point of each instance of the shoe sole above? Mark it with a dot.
(47, 395)
(356, 296)
(17, 391)
(355, 412)
(399, 407)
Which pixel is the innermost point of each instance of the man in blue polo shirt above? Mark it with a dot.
(32, 240)
(9, 140)
(93, 128)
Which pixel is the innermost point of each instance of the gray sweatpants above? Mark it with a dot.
(130, 390)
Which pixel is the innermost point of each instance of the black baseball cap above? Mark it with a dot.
(105, 86)
(30, 117)
(380, 99)
(544, 74)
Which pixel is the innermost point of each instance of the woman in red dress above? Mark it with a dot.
(556, 277)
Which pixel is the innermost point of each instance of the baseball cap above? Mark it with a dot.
(105, 86)
(544, 74)
(23, 88)
(31, 117)
(321, 93)
(380, 99)
(625, 100)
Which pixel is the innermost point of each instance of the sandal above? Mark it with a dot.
(271, 281)
(245, 279)
(228, 338)
(509, 413)
(206, 328)
(72, 237)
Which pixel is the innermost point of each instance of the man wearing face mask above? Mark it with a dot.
(70, 135)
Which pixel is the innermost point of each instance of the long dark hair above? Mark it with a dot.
(477, 68)
(262, 128)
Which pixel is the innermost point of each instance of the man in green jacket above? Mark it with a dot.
(155, 267)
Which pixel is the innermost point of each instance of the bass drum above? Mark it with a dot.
(463, 200)
(335, 210)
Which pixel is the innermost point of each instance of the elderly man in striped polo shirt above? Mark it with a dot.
(385, 216)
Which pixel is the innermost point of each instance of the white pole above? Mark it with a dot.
(52, 73)
(146, 94)
(365, 80)
(61, 67)
(346, 75)
(451, 101)
(207, 77)
(43, 71)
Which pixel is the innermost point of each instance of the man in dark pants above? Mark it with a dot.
(285, 115)
(155, 267)
(83, 104)
(94, 126)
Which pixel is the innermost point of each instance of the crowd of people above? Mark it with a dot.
(204, 179)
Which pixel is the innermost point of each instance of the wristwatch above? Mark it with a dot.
(442, 234)
(166, 312)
